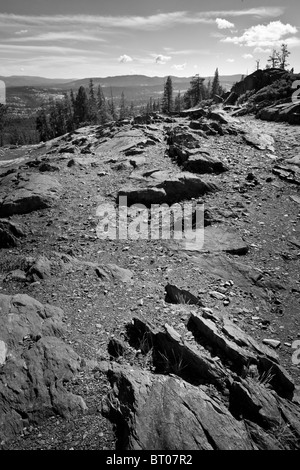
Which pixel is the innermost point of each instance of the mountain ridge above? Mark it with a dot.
(114, 80)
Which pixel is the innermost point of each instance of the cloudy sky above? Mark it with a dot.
(84, 38)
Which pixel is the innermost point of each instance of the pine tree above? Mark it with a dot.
(3, 113)
(72, 98)
(92, 104)
(151, 105)
(81, 108)
(111, 106)
(167, 104)
(42, 125)
(197, 89)
(69, 113)
(283, 55)
(57, 119)
(178, 103)
(131, 111)
(101, 106)
(196, 92)
(209, 88)
(274, 59)
(123, 111)
(215, 87)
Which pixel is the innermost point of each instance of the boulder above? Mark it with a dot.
(183, 138)
(147, 196)
(204, 163)
(194, 113)
(185, 185)
(137, 161)
(288, 172)
(248, 278)
(168, 188)
(231, 98)
(221, 116)
(181, 296)
(288, 112)
(213, 239)
(40, 268)
(23, 193)
(112, 272)
(259, 140)
(35, 365)
(10, 233)
(195, 125)
(294, 160)
(47, 167)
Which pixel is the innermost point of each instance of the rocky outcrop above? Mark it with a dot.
(289, 172)
(22, 193)
(224, 391)
(257, 80)
(288, 112)
(187, 150)
(35, 364)
(165, 415)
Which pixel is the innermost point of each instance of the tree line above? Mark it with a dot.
(92, 107)
(196, 93)
(86, 107)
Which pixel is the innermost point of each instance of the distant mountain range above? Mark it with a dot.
(121, 81)
(26, 94)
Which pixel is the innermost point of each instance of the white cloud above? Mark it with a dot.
(261, 35)
(224, 24)
(23, 31)
(17, 48)
(294, 41)
(179, 66)
(247, 56)
(125, 58)
(230, 60)
(262, 12)
(152, 22)
(161, 59)
(57, 36)
(261, 50)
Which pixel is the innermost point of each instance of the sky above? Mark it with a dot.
(100, 38)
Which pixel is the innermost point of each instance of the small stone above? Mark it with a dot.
(3, 352)
(217, 295)
(274, 343)
(207, 310)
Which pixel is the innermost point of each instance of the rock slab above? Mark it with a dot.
(24, 193)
